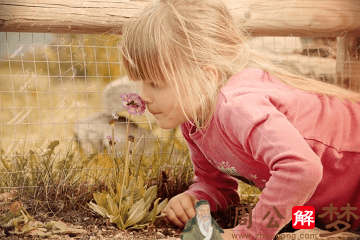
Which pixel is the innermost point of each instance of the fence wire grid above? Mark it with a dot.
(64, 87)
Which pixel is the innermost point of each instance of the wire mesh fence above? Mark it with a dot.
(57, 94)
(65, 87)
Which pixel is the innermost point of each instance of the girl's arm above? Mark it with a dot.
(210, 184)
(255, 124)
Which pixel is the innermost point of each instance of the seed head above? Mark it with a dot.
(110, 140)
(131, 138)
(114, 118)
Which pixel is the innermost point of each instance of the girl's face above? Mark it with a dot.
(162, 103)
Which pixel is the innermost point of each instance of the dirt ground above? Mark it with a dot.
(99, 228)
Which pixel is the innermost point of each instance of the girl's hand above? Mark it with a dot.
(180, 209)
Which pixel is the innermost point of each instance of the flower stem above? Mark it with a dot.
(113, 149)
(125, 173)
(126, 170)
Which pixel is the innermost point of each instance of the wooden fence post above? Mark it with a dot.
(347, 62)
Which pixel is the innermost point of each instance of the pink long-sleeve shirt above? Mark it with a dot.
(299, 148)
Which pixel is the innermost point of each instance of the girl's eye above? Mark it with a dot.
(153, 85)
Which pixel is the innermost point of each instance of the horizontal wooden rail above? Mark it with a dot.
(318, 18)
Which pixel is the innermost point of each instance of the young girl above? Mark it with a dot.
(295, 138)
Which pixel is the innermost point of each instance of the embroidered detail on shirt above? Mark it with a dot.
(253, 176)
(226, 168)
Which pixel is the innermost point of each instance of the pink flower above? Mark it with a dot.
(110, 140)
(114, 118)
(133, 103)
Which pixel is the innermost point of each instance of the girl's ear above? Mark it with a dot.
(214, 72)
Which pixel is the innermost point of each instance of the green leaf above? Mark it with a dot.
(116, 199)
(112, 192)
(140, 226)
(154, 211)
(140, 181)
(150, 192)
(131, 187)
(27, 214)
(111, 207)
(119, 222)
(161, 206)
(103, 201)
(137, 194)
(136, 218)
(118, 188)
(50, 224)
(118, 192)
(100, 199)
(126, 204)
(97, 197)
(148, 204)
(142, 191)
(130, 195)
(136, 213)
(132, 180)
(138, 205)
(14, 221)
(149, 215)
(100, 210)
(160, 217)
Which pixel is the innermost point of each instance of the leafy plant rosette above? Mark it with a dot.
(128, 205)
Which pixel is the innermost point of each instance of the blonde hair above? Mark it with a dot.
(174, 41)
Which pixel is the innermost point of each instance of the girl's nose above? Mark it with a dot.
(144, 94)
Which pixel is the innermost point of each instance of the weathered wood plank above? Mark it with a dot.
(260, 17)
(321, 18)
(347, 62)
